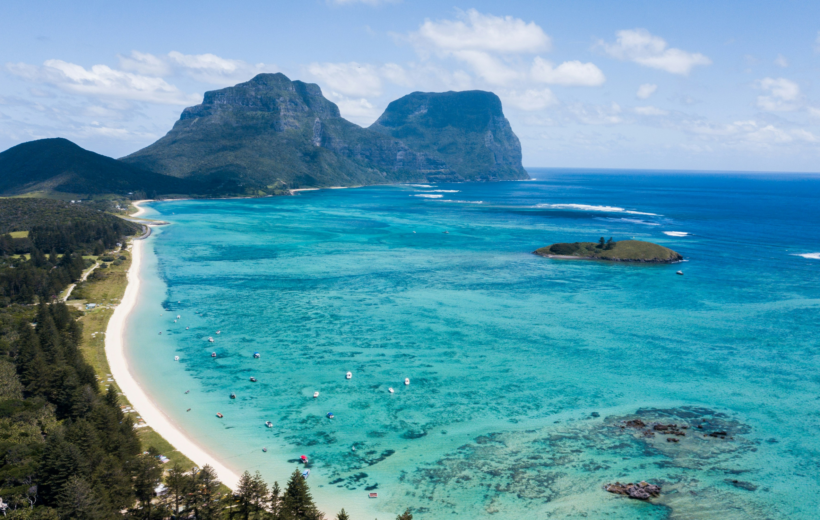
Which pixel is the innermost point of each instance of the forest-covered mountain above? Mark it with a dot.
(58, 165)
(271, 131)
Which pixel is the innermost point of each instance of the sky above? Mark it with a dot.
(670, 85)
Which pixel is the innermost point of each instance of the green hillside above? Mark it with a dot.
(58, 165)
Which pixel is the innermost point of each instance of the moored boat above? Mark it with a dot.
(213, 354)
(233, 396)
(253, 379)
(373, 495)
(406, 380)
(176, 358)
(315, 395)
(349, 375)
(269, 424)
(257, 355)
(219, 415)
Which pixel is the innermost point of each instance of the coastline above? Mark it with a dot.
(115, 345)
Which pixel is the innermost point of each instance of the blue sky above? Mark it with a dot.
(707, 85)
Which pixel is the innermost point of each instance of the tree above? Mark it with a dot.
(297, 502)
(206, 487)
(79, 502)
(407, 515)
(342, 515)
(178, 483)
(147, 475)
(601, 242)
(275, 501)
(610, 243)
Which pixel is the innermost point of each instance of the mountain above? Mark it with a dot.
(272, 132)
(58, 165)
(465, 130)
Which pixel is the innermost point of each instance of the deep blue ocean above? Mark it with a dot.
(522, 369)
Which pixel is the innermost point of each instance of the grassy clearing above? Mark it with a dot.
(106, 290)
(19, 234)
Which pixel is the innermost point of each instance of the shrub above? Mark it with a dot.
(107, 259)
(564, 249)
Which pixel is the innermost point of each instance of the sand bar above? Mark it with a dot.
(115, 352)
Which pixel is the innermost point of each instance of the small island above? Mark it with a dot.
(609, 250)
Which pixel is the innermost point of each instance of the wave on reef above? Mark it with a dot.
(442, 191)
(676, 233)
(428, 196)
(463, 201)
(810, 256)
(421, 186)
(589, 207)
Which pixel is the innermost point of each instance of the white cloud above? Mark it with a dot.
(483, 32)
(102, 81)
(530, 99)
(570, 73)
(483, 41)
(359, 110)
(396, 74)
(350, 79)
(640, 46)
(783, 94)
(210, 68)
(144, 63)
(781, 61)
(650, 111)
(750, 133)
(596, 115)
(646, 90)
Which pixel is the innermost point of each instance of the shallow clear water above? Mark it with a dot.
(521, 368)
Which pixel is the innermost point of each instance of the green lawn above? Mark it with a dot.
(19, 234)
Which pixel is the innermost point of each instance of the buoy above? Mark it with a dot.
(315, 395)
(348, 375)
(390, 390)
(406, 380)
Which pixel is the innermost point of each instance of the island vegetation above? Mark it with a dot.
(610, 250)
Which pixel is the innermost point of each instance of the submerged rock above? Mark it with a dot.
(640, 491)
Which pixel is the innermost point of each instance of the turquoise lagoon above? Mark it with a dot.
(522, 369)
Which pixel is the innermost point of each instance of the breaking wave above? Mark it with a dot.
(464, 201)
(442, 191)
(589, 207)
(428, 196)
(810, 256)
(676, 233)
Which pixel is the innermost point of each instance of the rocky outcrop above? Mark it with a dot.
(639, 491)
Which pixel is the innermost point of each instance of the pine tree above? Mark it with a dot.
(297, 501)
(275, 501)
(342, 515)
(601, 242)
(207, 487)
(178, 483)
(405, 516)
(78, 501)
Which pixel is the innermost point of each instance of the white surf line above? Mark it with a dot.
(150, 413)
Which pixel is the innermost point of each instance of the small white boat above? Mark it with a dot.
(213, 354)
(680, 273)
(177, 316)
(390, 390)
(211, 340)
(176, 358)
(218, 331)
(348, 375)
(257, 355)
(175, 321)
(306, 474)
(406, 380)
(186, 328)
(315, 395)
(269, 424)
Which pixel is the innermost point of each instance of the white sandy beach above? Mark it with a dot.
(150, 413)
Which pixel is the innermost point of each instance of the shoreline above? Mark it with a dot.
(115, 345)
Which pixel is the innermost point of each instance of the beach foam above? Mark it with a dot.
(810, 256)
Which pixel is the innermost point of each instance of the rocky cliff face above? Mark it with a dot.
(272, 132)
(465, 130)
